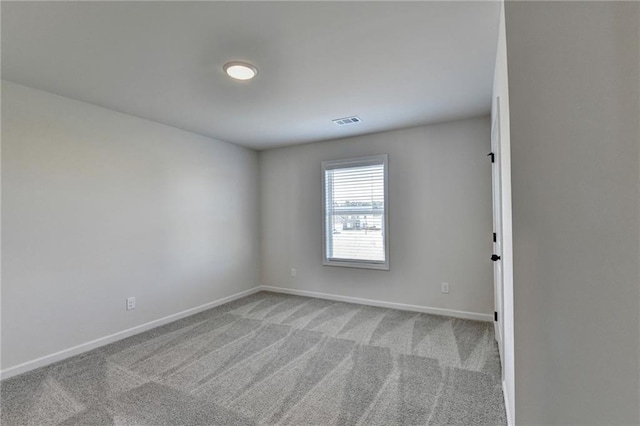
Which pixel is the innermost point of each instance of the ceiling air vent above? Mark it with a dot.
(346, 120)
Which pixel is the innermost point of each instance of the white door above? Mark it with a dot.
(496, 179)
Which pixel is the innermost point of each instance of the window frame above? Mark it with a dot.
(347, 163)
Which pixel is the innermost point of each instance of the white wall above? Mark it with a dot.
(574, 105)
(501, 104)
(440, 217)
(98, 206)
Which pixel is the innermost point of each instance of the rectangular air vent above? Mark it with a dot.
(346, 120)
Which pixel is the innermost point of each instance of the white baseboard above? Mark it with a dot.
(382, 304)
(507, 404)
(84, 347)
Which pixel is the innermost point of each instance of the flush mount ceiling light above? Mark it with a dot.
(240, 70)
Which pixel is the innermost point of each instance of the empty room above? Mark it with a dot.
(320, 213)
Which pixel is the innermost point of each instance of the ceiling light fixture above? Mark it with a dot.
(240, 70)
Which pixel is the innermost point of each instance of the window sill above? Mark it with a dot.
(359, 265)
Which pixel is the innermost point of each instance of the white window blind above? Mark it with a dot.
(355, 216)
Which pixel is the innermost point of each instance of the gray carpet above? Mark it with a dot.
(275, 359)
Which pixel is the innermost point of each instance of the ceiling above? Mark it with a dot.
(393, 64)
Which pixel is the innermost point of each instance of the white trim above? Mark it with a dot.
(84, 347)
(382, 159)
(102, 341)
(393, 305)
(507, 405)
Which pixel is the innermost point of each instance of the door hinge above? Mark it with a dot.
(493, 157)
(495, 316)
(495, 237)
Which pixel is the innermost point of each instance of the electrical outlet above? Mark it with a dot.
(293, 272)
(131, 303)
(445, 287)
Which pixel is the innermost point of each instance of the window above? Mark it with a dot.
(356, 217)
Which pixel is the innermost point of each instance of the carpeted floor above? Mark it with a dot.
(275, 359)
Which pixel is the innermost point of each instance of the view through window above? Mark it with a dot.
(355, 220)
